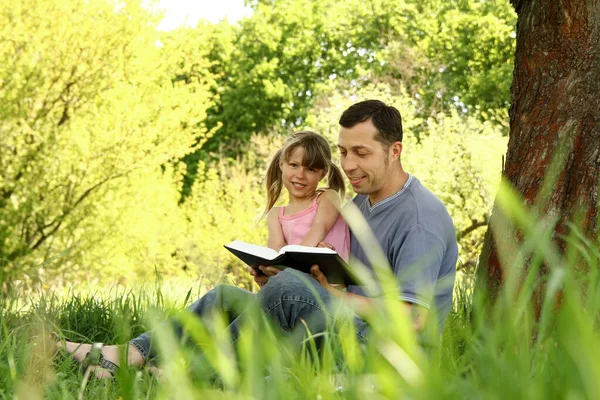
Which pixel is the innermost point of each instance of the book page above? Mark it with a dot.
(306, 249)
(260, 251)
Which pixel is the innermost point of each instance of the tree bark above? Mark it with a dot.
(555, 111)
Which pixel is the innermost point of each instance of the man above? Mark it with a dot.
(411, 225)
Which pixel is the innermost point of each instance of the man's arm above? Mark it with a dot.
(416, 261)
(364, 305)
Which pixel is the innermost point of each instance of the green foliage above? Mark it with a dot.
(225, 204)
(282, 55)
(271, 68)
(89, 105)
(473, 46)
(200, 56)
(107, 123)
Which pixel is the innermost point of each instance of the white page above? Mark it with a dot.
(259, 251)
(306, 249)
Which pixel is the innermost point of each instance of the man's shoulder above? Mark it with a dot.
(430, 211)
(423, 196)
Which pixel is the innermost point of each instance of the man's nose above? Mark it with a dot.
(348, 163)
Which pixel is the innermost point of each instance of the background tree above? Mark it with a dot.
(105, 123)
(87, 100)
(453, 55)
(552, 159)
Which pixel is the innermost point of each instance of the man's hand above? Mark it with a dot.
(315, 271)
(262, 274)
(417, 314)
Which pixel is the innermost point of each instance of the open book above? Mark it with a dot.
(295, 256)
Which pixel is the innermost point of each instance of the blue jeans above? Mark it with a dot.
(290, 299)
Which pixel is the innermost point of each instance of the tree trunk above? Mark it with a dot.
(555, 107)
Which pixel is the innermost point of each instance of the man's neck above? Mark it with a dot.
(397, 182)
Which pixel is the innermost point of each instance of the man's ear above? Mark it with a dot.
(395, 150)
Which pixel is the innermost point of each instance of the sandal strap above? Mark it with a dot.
(100, 360)
(109, 365)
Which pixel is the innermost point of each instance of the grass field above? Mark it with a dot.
(511, 350)
(500, 353)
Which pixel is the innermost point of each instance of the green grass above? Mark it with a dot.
(510, 350)
(504, 354)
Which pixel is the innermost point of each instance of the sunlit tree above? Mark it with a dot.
(87, 99)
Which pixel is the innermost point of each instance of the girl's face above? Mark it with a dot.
(301, 182)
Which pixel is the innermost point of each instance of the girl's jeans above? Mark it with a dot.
(293, 301)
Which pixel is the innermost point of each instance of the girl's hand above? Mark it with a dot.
(262, 274)
(260, 278)
(326, 245)
(269, 271)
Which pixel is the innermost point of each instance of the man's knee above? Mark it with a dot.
(291, 297)
(291, 283)
(214, 296)
(222, 290)
(221, 298)
(288, 280)
(288, 274)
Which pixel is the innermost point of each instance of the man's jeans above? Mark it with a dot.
(293, 301)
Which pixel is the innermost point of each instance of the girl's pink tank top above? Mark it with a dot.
(296, 226)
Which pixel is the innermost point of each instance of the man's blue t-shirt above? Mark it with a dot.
(418, 237)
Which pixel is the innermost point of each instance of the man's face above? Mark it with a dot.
(367, 164)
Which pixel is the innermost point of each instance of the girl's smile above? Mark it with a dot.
(301, 181)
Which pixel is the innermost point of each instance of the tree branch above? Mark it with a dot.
(475, 224)
(57, 222)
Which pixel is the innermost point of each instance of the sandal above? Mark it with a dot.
(95, 358)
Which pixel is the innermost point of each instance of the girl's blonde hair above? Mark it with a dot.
(317, 155)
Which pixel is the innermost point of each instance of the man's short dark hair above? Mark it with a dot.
(386, 119)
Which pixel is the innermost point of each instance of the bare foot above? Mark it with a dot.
(111, 353)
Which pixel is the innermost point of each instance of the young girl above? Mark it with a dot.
(312, 214)
(310, 217)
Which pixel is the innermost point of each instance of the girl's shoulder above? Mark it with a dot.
(274, 213)
(328, 195)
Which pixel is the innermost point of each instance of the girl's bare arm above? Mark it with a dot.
(327, 215)
(275, 240)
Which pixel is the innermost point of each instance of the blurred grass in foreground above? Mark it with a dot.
(503, 351)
